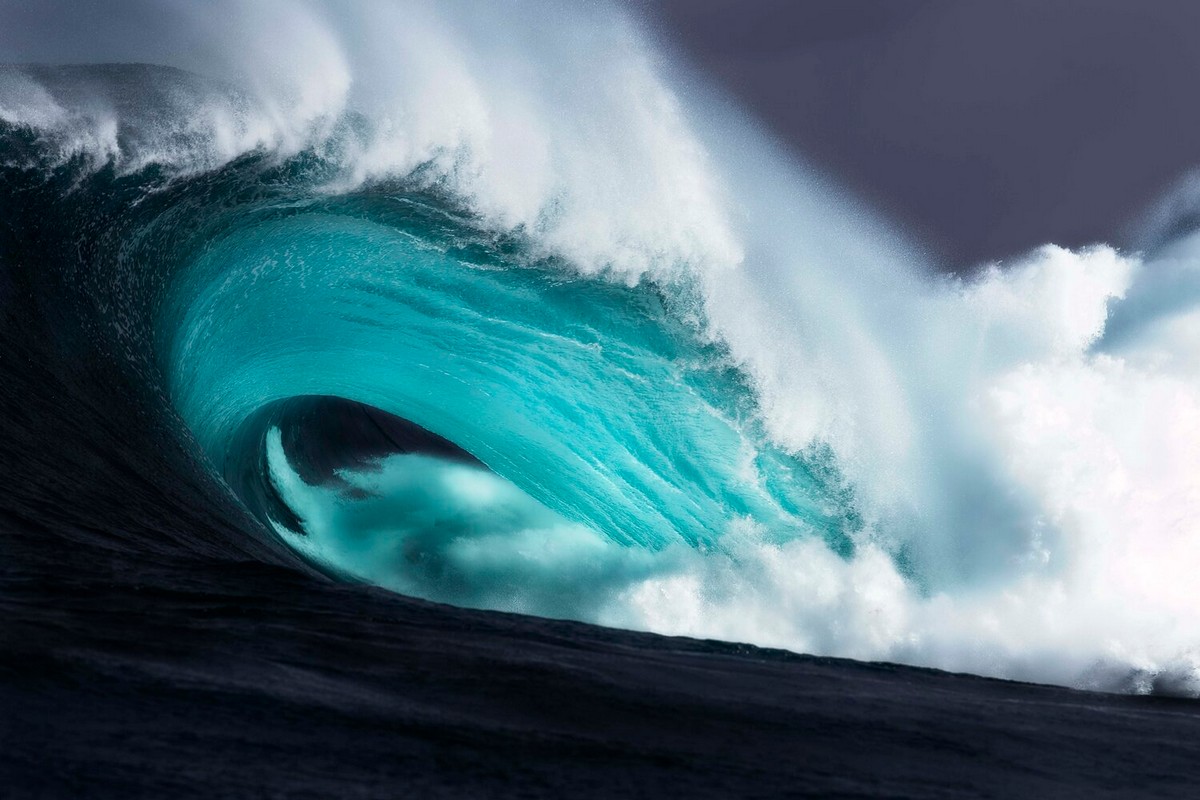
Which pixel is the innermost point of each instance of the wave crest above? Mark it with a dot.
(626, 301)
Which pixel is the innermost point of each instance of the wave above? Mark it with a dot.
(623, 359)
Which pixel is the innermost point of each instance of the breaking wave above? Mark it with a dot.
(501, 307)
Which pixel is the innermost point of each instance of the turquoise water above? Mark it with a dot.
(613, 436)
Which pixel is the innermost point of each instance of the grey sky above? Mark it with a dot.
(982, 127)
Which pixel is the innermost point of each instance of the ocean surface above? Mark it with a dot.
(453, 401)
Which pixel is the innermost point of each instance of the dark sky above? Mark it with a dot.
(983, 126)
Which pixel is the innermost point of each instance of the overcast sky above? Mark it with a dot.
(985, 127)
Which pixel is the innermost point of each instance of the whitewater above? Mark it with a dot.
(664, 375)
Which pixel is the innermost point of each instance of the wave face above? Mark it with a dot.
(516, 316)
